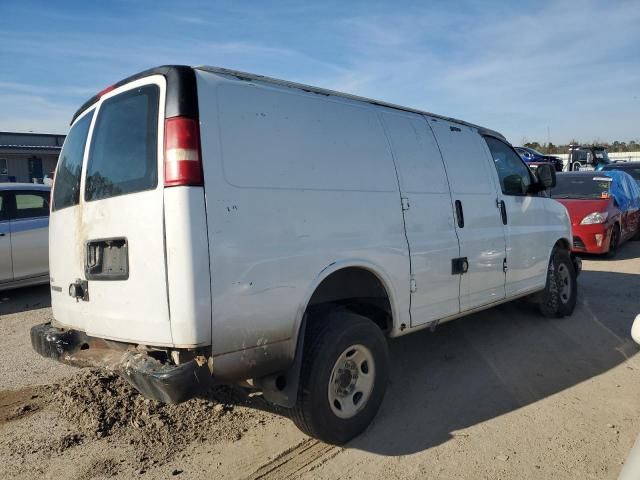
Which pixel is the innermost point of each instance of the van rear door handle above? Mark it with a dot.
(459, 214)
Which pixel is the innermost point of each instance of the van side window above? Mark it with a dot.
(124, 148)
(67, 179)
(514, 175)
(31, 205)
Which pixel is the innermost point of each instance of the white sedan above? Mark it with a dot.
(24, 234)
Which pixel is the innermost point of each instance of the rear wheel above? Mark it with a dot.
(343, 378)
(558, 299)
(614, 241)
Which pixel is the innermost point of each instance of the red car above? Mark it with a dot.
(604, 208)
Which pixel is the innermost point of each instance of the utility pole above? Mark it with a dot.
(548, 136)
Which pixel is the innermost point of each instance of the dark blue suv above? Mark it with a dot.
(530, 155)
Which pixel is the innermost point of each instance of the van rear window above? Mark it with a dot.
(66, 191)
(124, 145)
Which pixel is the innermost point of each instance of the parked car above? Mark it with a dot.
(587, 157)
(229, 225)
(530, 155)
(632, 168)
(24, 234)
(604, 208)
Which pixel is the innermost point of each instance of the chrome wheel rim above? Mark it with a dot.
(565, 283)
(351, 381)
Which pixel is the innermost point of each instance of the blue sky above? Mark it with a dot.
(518, 67)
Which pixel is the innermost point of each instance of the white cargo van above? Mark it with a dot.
(209, 224)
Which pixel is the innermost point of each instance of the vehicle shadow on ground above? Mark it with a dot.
(493, 362)
(24, 299)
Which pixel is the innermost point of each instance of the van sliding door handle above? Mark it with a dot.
(459, 214)
(503, 212)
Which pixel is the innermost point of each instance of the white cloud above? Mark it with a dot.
(563, 66)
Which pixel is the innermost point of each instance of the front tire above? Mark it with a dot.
(343, 378)
(614, 242)
(558, 299)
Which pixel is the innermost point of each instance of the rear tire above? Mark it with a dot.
(558, 299)
(343, 378)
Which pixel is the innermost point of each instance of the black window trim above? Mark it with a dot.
(532, 178)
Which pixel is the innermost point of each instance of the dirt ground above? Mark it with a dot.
(502, 394)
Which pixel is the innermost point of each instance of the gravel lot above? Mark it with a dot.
(501, 394)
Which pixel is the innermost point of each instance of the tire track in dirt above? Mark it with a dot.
(303, 457)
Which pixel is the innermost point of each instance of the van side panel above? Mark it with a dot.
(294, 182)
(188, 274)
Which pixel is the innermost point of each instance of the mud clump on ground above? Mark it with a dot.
(101, 404)
(15, 404)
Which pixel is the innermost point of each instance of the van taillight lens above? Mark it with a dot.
(182, 163)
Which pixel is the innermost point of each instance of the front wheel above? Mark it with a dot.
(614, 242)
(343, 378)
(558, 299)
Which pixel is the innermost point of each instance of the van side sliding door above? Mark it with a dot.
(478, 223)
(428, 217)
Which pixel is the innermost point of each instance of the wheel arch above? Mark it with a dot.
(342, 266)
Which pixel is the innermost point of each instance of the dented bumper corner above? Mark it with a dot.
(157, 380)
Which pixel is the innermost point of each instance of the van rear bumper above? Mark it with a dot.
(157, 380)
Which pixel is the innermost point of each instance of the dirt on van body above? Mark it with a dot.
(501, 394)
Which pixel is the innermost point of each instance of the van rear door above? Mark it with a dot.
(107, 222)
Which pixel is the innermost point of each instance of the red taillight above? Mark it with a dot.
(182, 165)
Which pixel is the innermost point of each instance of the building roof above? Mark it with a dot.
(31, 141)
(31, 147)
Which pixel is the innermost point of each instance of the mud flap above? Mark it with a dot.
(282, 389)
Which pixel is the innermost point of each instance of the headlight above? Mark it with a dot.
(595, 217)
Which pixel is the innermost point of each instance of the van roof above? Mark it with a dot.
(183, 99)
(323, 91)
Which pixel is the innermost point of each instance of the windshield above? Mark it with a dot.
(601, 156)
(582, 187)
(535, 152)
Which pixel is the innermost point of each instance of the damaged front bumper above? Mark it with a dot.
(155, 379)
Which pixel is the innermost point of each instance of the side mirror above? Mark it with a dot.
(546, 174)
(513, 185)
